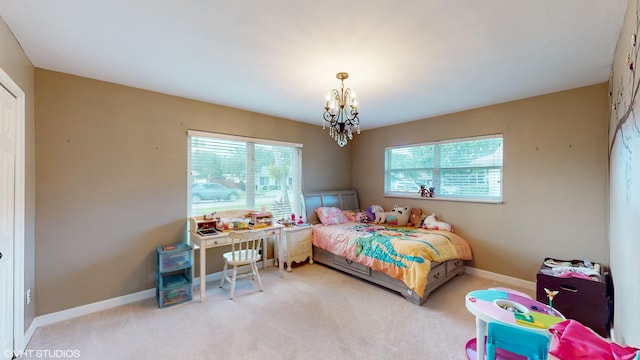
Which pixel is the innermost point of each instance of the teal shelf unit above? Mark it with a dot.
(174, 274)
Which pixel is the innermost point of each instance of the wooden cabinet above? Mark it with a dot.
(587, 301)
(297, 243)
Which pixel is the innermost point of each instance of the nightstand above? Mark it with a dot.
(297, 244)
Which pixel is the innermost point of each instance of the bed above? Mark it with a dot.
(411, 261)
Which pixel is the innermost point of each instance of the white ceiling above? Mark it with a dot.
(407, 60)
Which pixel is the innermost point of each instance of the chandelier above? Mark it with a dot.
(341, 112)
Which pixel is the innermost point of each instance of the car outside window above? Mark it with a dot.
(405, 186)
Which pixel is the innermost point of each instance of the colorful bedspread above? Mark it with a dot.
(404, 253)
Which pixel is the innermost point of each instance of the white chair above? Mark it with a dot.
(245, 250)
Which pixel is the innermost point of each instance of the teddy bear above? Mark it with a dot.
(398, 216)
(415, 217)
(432, 223)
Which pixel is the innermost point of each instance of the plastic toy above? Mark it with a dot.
(551, 294)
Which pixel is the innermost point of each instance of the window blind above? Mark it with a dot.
(230, 172)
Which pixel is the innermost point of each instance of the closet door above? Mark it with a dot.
(8, 120)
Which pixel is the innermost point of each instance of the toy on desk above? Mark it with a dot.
(210, 216)
(527, 319)
(551, 294)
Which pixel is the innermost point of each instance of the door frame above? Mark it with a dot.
(19, 213)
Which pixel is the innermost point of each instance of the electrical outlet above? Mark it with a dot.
(28, 296)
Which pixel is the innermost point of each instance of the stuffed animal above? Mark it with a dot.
(372, 210)
(415, 217)
(350, 215)
(362, 217)
(379, 215)
(399, 216)
(430, 222)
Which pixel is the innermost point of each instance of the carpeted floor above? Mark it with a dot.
(314, 312)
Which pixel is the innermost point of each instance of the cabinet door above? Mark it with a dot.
(300, 243)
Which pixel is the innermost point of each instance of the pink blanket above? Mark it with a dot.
(576, 341)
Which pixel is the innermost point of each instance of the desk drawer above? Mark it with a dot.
(273, 232)
(219, 241)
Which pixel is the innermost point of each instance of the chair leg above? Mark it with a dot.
(224, 274)
(490, 348)
(256, 274)
(233, 280)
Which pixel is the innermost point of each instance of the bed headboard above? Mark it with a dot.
(343, 199)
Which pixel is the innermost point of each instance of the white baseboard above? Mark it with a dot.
(63, 315)
(529, 285)
(52, 318)
(29, 334)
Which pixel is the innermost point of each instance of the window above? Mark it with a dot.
(230, 172)
(460, 169)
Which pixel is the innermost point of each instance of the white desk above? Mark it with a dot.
(222, 239)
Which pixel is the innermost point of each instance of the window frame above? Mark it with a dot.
(251, 180)
(437, 169)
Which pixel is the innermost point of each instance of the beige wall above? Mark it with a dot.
(112, 181)
(555, 179)
(15, 63)
(624, 145)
